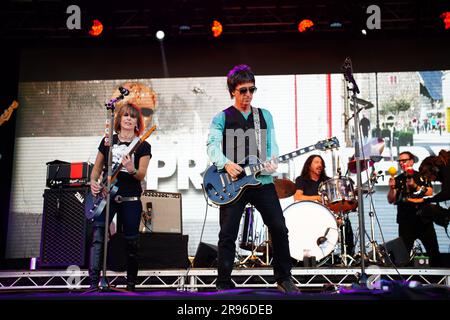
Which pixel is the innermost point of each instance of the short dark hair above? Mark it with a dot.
(410, 155)
(239, 74)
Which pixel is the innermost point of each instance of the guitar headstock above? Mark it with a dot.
(328, 144)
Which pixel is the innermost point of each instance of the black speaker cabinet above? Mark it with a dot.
(396, 250)
(64, 228)
(206, 256)
(163, 212)
(156, 251)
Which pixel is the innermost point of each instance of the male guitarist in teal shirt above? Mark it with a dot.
(236, 133)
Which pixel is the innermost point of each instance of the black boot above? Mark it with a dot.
(132, 263)
(96, 256)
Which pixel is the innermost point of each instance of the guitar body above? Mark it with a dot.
(94, 206)
(219, 187)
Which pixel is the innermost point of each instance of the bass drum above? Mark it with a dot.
(312, 230)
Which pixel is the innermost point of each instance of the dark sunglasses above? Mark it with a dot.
(244, 90)
(403, 160)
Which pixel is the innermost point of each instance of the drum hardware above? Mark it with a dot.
(249, 238)
(345, 258)
(338, 194)
(374, 246)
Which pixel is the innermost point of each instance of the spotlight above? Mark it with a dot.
(445, 16)
(364, 32)
(305, 25)
(160, 35)
(216, 28)
(336, 25)
(96, 28)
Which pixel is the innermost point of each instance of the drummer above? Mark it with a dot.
(312, 175)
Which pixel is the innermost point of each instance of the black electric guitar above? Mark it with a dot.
(94, 206)
(221, 189)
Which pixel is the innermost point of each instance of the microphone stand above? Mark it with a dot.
(104, 283)
(348, 74)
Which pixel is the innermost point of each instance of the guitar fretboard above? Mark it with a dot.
(259, 167)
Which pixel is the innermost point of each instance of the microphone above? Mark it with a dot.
(323, 239)
(124, 91)
(409, 171)
(348, 73)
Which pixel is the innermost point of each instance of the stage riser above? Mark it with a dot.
(198, 279)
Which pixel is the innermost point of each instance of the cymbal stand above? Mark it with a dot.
(348, 75)
(252, 257)
(344, 256)
(373, 243)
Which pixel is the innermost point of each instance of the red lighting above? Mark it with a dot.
(445, 16)
(305, 25)
(96, 29)
(216, 28)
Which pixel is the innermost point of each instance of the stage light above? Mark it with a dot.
(336, 25)
(445, 16)
(216, 28)
(305, 25)
(160, 35)
(96, 28)
(364, 32)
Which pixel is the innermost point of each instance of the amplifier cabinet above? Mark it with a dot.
(64, 228)
(161, 212)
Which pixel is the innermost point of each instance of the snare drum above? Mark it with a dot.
(312, 230)
(338, 194)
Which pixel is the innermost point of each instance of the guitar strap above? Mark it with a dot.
(257, 129)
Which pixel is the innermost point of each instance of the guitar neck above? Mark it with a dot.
(132, 148)
(285, 157)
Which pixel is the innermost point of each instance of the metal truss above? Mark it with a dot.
(202, 279)
(40, 19)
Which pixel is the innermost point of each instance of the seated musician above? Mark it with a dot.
(312, 175)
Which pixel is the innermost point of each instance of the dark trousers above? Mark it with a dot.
(413, 229)
(130, 215)
(348, 236)
(265, 200)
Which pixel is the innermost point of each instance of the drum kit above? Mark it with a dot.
(316, 230)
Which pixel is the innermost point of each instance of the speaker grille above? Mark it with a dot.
(63, 227)
(165, 211)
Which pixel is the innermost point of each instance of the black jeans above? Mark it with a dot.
(348, 236)
(410, 230)
(130, 215)
(265, 200)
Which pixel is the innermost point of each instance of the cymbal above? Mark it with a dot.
(285, 188)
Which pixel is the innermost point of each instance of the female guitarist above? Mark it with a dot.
(126, 202)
